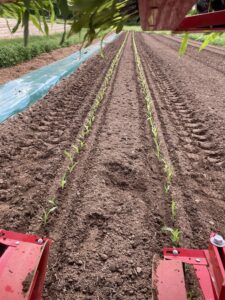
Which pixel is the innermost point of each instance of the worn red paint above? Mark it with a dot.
(9, 289)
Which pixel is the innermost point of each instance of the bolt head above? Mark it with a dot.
(17, 243)
(218, 240)
(175, 252)
(40, 241)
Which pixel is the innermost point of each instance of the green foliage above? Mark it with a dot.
(174, 209)
(215, 38)
(46, 214)
(184, 44)
(218, 37)
(63, 181)
(13, 52)
(96, 16)
(52, 201)
(174, 235)
(25, 11)
(101, 15)
(209, 39)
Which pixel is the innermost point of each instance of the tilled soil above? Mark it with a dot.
(189, 101)
(117, 204)
(32, 144)
(108, 223)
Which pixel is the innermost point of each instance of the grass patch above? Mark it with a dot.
(13, 52)
(132, 28)
(219, 41)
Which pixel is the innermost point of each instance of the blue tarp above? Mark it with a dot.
(18, 94)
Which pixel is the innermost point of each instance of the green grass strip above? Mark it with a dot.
(13, 52)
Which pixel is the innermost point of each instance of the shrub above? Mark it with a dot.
(13, 52)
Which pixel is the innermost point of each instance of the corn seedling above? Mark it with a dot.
(69, 156)
(190, 295)
(87, 130)
(52, 201)
(72, 167)
(173, 209)
(168, 171)
(76, 149)
(63, 181)
(174, 235)
(82, 135)
(82, 144)
(46, 214)
(156, 141)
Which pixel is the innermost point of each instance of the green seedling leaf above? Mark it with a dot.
(72, 167)
(69, 156)
(209, 39)
(63, 181)
(174, 234)
(46, 213)
(184, 44)
(76, 149)
(174, 209)
(52, 201)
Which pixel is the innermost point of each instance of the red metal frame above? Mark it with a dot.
(204, 22)
(171, 15)
(23, 263)
(209, 267)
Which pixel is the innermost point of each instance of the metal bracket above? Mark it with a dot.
(23, 263)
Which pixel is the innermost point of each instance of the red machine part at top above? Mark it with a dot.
(171, 15)
(23, 263)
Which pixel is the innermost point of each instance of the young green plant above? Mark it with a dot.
(46, 214)
(175, 235)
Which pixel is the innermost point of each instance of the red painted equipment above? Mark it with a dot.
(171, 15)
(23, 263)
(209, 267)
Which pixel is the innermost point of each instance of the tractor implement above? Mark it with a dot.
(168, 277)
(23, 263)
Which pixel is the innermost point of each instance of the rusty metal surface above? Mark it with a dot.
(163, 14)
(168, 275)
(23, 262)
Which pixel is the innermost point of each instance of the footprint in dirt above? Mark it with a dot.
(123, 177)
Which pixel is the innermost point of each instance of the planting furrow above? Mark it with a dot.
(152, 119)
(104, 246)
(32, 144)
(73, 154)
(212, 57)
(194, 151)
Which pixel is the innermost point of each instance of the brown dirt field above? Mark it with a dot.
(189, 101)
(108, 223)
